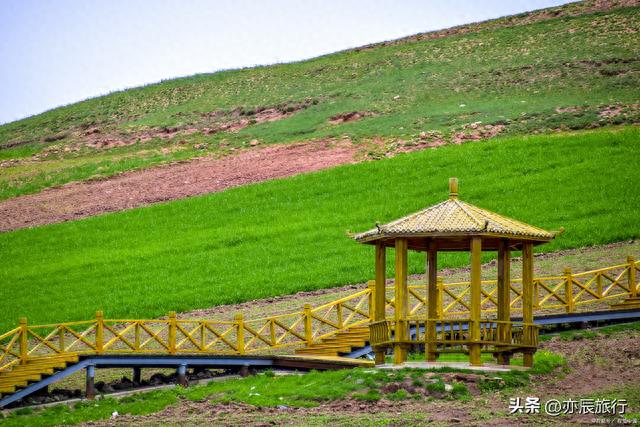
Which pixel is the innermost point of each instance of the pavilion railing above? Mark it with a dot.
(451, 335)
(173, 335)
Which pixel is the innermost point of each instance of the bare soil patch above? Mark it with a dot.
(208, 123)
(349, 117)
(595, 364)
(170, 182)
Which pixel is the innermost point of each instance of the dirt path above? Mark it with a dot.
(170, 182)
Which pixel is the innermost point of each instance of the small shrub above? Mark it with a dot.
(399, 394)
(370, 396)
(437, 386)
(269, 373)
(545, 362)
(24, 411)
(460, 390)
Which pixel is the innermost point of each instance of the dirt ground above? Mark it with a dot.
(596, 365)
(170, 182)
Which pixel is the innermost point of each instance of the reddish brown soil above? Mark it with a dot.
(349, 117)
(170, 182)
(595, 364)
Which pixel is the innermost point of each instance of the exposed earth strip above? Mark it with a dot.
(133, 189)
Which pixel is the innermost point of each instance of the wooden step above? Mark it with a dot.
(17, 384)
(346, 339)
(28, 368)
(336, 347)
(335, 351)
(52, 359)
(318, 353)
(340, 343)
(346, 343)
(7, 389)
(20, 377)
(354, 334)
(349, 337)
(359, 329)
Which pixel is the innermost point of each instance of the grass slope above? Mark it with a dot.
(284, 236)
(552, 74)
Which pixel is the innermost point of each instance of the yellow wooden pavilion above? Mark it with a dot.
(454, 225)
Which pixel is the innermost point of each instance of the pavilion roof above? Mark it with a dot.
(454, 218)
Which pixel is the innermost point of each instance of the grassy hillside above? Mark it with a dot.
(528, 74)
(287, 235)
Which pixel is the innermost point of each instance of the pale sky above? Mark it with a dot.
(54, 53)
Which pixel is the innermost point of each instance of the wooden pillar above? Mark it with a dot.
(380, 301)
(504, 297)
(527, 299)
(371, 287)
(476, 299)
(401, 303)
(432, 300)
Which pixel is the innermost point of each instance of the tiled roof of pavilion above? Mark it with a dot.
(453, 218)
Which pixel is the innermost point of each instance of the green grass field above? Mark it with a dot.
(561, 73)
(283, 236)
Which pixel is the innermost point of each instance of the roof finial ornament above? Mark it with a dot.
(453, 188)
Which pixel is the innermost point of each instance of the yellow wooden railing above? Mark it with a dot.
(181, 336)
(173, 335)
(566, 292)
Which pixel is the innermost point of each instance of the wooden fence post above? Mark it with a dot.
(240, 333)
(24, 340)
(61, 339)
(308, 334)
(272, 331)
(372, 300)
(99, 332)
(172, 332)
(568, 289)
(631, 277)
